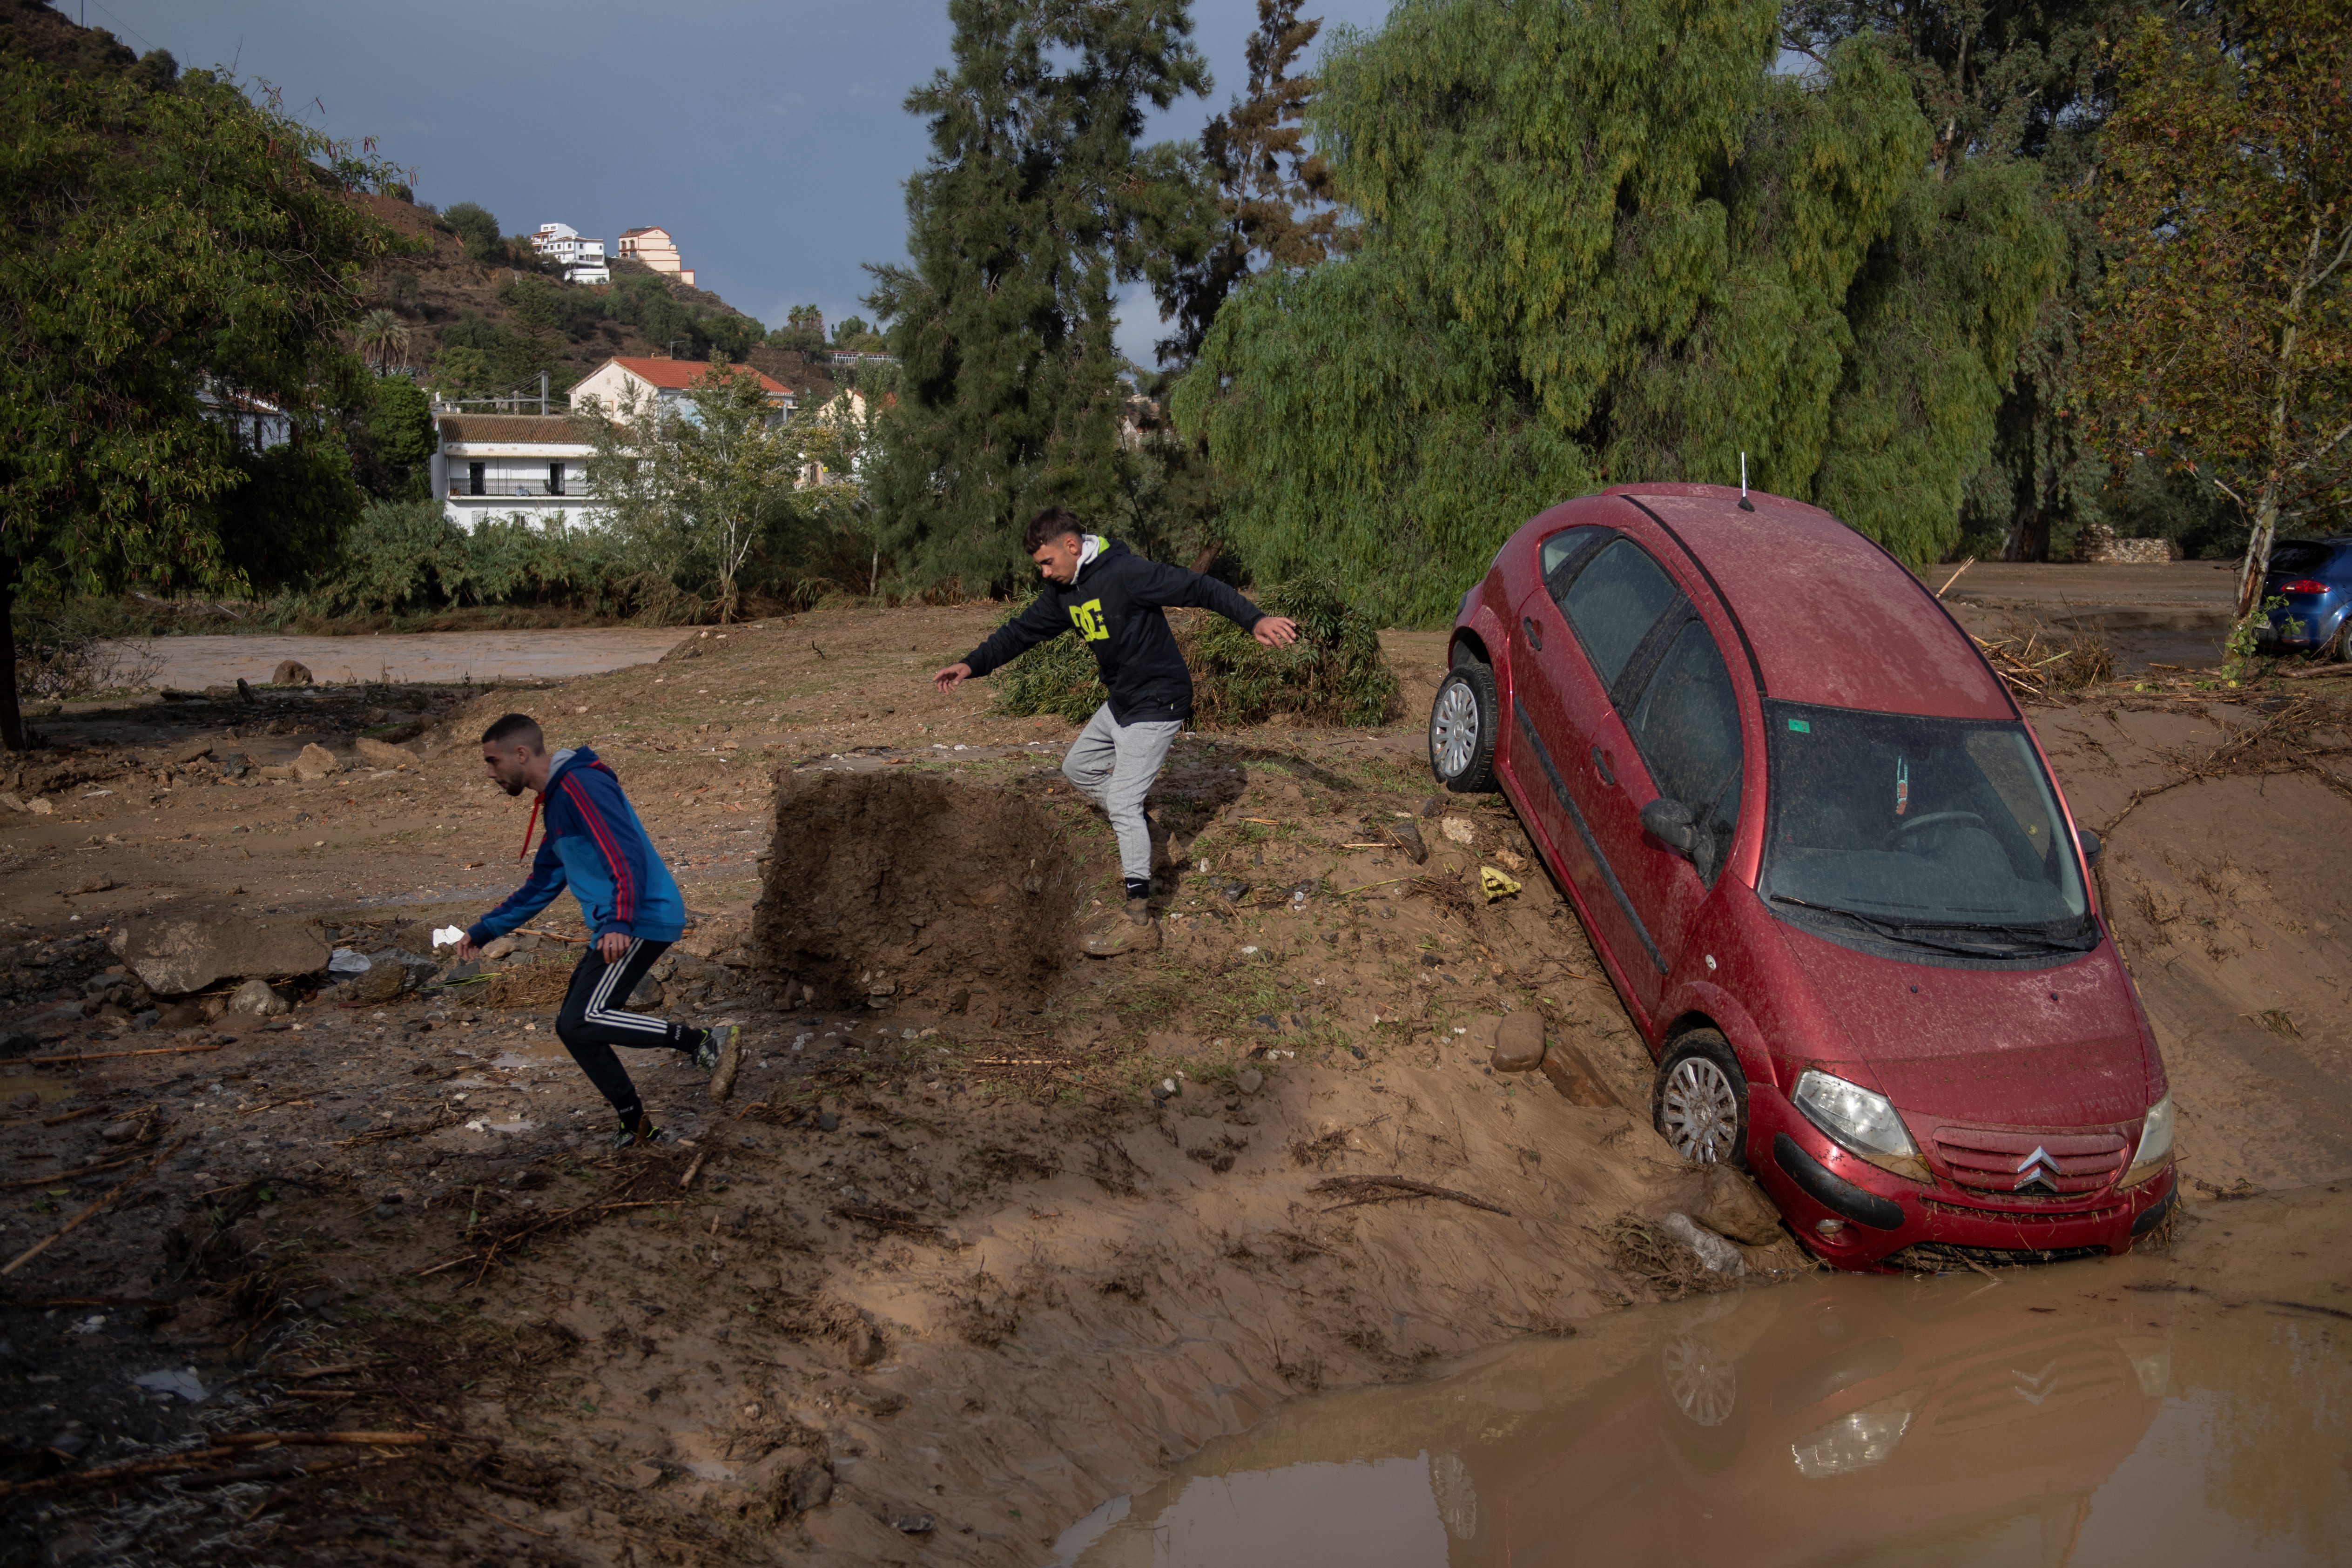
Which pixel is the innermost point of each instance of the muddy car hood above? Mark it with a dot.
(2060, 1047)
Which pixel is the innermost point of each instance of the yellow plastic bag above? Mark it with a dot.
(1495, 883)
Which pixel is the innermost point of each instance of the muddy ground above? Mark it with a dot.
(946, 1272)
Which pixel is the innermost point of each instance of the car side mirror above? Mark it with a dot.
(1669, 821)
(2092, 848)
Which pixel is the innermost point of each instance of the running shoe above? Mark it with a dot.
(714, 1046)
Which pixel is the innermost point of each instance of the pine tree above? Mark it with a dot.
(1034, 205)
(1609, 244)
(1274, 192)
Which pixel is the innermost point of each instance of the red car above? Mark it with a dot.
(1820, 853)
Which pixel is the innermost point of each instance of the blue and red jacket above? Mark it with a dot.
(595, 843)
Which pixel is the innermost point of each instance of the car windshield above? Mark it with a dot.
(1940, 833)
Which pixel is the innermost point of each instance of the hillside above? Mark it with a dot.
(523, 320)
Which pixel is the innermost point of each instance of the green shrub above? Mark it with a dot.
(406, 557)
(1334, 675)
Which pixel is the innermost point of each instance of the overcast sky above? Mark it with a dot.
(767, 136)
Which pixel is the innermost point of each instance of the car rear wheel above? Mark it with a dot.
(1700, 1104)
(1462, 729)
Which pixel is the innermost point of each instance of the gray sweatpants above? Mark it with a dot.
(1114, 765)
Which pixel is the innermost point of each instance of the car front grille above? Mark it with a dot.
(2030, 1168)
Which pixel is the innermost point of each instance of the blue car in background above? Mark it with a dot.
(2315, 578)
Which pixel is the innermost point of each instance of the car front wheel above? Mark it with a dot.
(1462, 723)
(1700, 1104)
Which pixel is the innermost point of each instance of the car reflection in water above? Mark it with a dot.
(1843, 1421)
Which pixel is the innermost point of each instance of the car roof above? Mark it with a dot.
(1831, 617)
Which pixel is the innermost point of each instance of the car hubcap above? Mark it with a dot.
(1701, 1112)
(1453, 729)
(1703, 1385)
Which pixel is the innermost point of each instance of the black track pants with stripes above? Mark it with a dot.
(591, 1023)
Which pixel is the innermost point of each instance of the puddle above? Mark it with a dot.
(2058, 1417)
(49, 1089)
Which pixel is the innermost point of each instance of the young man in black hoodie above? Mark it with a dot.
(1113, 600)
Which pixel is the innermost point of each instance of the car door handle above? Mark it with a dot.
(1600, 760)
(1535, 633)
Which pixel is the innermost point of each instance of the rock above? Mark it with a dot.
(1720, 1255)
(190, 750)
(1736, 1207)
(1249, 1081)
(386, 978)
(123, 1132)
(145, 1018)
(16, 1042)
(273, 771)
(1166, 1088)
(912, 1523)
(315, 762)
(386, 1210)
(812, 1488)
(343, 961)
(257, 999)
(826, 1121)
(716, 934)
(180, 1015)
(97, 883)
(383, 754)
(648, 996)
(643, 1474)
(874, 1401)
(1407, 836)
(8, 801)
(1518, 1043)
(499, 948)
(177, 953)
(290, 672)
(39, 806)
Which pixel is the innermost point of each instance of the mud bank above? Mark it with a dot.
(945, 1275)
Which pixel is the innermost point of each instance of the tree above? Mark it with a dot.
(160, 249)
(1275, 194)
(391, 439)
(2223, 337)
(1603, 245)
(381, 341)
(1035, 205)
(459, 372)
(698, 488)
(2019, 80)
(476, 230)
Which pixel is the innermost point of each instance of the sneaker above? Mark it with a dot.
(1131, 930)
(644, 1132)
(714, 1045)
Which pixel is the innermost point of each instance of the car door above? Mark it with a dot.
(1594, 615)
(1682, 715)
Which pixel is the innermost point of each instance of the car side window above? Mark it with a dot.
(1613, 602)
(1687, 725)
(1565, 552)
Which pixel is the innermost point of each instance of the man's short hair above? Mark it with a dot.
(519, 728)
(1048, 526)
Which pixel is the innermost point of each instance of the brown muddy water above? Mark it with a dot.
(2101, 1412)
(194, 663)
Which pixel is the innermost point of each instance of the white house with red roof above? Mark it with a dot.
(618, 381)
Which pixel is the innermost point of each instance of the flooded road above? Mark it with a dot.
(192, 663)
(2089, 1413)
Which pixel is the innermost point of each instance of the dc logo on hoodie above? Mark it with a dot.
(1088, 619)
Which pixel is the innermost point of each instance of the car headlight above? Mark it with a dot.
(1860, 1120)
(1861, 1440)
(2155, 1150)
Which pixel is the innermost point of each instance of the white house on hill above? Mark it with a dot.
(499, 466)
(616, 382)
(582, 260)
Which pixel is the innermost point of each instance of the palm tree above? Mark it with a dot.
(382, 339)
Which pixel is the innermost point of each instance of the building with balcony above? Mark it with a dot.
(656, 249)
(582, 260)
(616, 382)
(499, 466)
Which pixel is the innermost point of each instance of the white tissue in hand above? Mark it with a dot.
(448, 935)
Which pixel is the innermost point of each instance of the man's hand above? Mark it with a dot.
(1276, 631)
(610, 946)
(952, 677)
(467, 951)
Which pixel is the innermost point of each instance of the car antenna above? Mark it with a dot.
(1745, 504)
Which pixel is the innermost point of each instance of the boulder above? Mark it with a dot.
(255, 999)
(190, 751)
(39, 806)
(1518, 1043)
(290, 672)
(383, 754)
(1736, 1207)
(177, 953)
(386, 978)
(8, 801)
(316, 762)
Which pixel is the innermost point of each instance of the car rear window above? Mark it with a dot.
(1613, 604)
(2301, 555)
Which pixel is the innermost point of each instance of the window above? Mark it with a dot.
(478, 478)
(555, 479)
(1613, 602)
(1686, 725)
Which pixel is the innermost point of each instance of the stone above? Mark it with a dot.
(40, 807)
(1518, 1043)
(180, 1015)
(913, 1524)
(1407, 836)
(9, 801)
(499, 948)
(185, 952)
(121, 1132)
(315, 762)
(827, 1122)
(1458, 830)
(191, 751)
(386, 978)
(383, 754)
(1736, 1207)
(255, 999)
(811, 1489)
(290, 672)
(1249, 1081)
(97, 882)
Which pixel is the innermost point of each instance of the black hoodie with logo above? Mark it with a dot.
(1115, 605)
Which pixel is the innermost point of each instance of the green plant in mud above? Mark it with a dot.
(2243, 646)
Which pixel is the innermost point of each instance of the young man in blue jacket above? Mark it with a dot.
(1114, 600)
(594, 845)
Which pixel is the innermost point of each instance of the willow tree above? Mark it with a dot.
(1605, 245)
(1035, 204)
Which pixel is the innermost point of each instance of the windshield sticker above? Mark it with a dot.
(1801, 725)
(1902, 786)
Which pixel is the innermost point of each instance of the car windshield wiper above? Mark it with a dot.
(2083, 939)
(1895, 930)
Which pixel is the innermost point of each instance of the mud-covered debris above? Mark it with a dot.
(288, 673)
(1736, 1207)
(1518, 1043)
(1573, 1076)
(1720, 1257)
